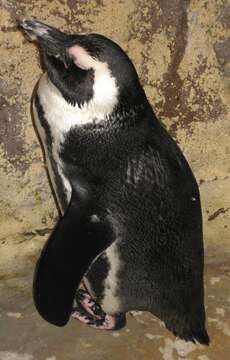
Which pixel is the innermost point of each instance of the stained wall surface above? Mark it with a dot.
(181, 50)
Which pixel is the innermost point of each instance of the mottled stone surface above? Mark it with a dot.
(182, 53)
(25, 336)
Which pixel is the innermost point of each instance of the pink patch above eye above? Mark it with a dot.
(80, 57)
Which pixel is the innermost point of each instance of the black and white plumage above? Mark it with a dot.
(131, 222)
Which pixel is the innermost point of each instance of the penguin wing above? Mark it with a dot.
(75, 242)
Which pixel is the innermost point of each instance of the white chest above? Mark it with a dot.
(60, 117)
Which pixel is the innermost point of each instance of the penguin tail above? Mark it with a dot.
(190, 331)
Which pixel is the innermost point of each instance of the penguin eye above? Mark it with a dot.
(82, 58)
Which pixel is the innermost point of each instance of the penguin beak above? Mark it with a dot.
(52, 41)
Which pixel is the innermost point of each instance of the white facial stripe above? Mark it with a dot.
(105, 87)
(67, 115)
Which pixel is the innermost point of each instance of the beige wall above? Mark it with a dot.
(182, 53)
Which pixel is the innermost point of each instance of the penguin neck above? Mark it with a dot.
(125, 114)
(133, 107)
(130, 115)
(69, 115)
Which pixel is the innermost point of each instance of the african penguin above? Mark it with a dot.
(131, 224)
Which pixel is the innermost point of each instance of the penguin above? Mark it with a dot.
(131, 222)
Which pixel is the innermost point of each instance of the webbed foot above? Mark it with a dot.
(91, 313)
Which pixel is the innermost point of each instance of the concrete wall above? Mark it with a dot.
(181, 50)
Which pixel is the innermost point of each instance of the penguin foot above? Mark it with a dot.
(84, 300)
(90, 313)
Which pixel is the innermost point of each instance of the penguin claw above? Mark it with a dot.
(90, 313)
(81, 317)
(85, 301)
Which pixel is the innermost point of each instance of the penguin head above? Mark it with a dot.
(87, 67)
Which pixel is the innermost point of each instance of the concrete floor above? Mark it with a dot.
(25, 336)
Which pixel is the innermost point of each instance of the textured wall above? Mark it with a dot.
(182, 53)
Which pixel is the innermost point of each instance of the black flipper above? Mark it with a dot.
(73, 245)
